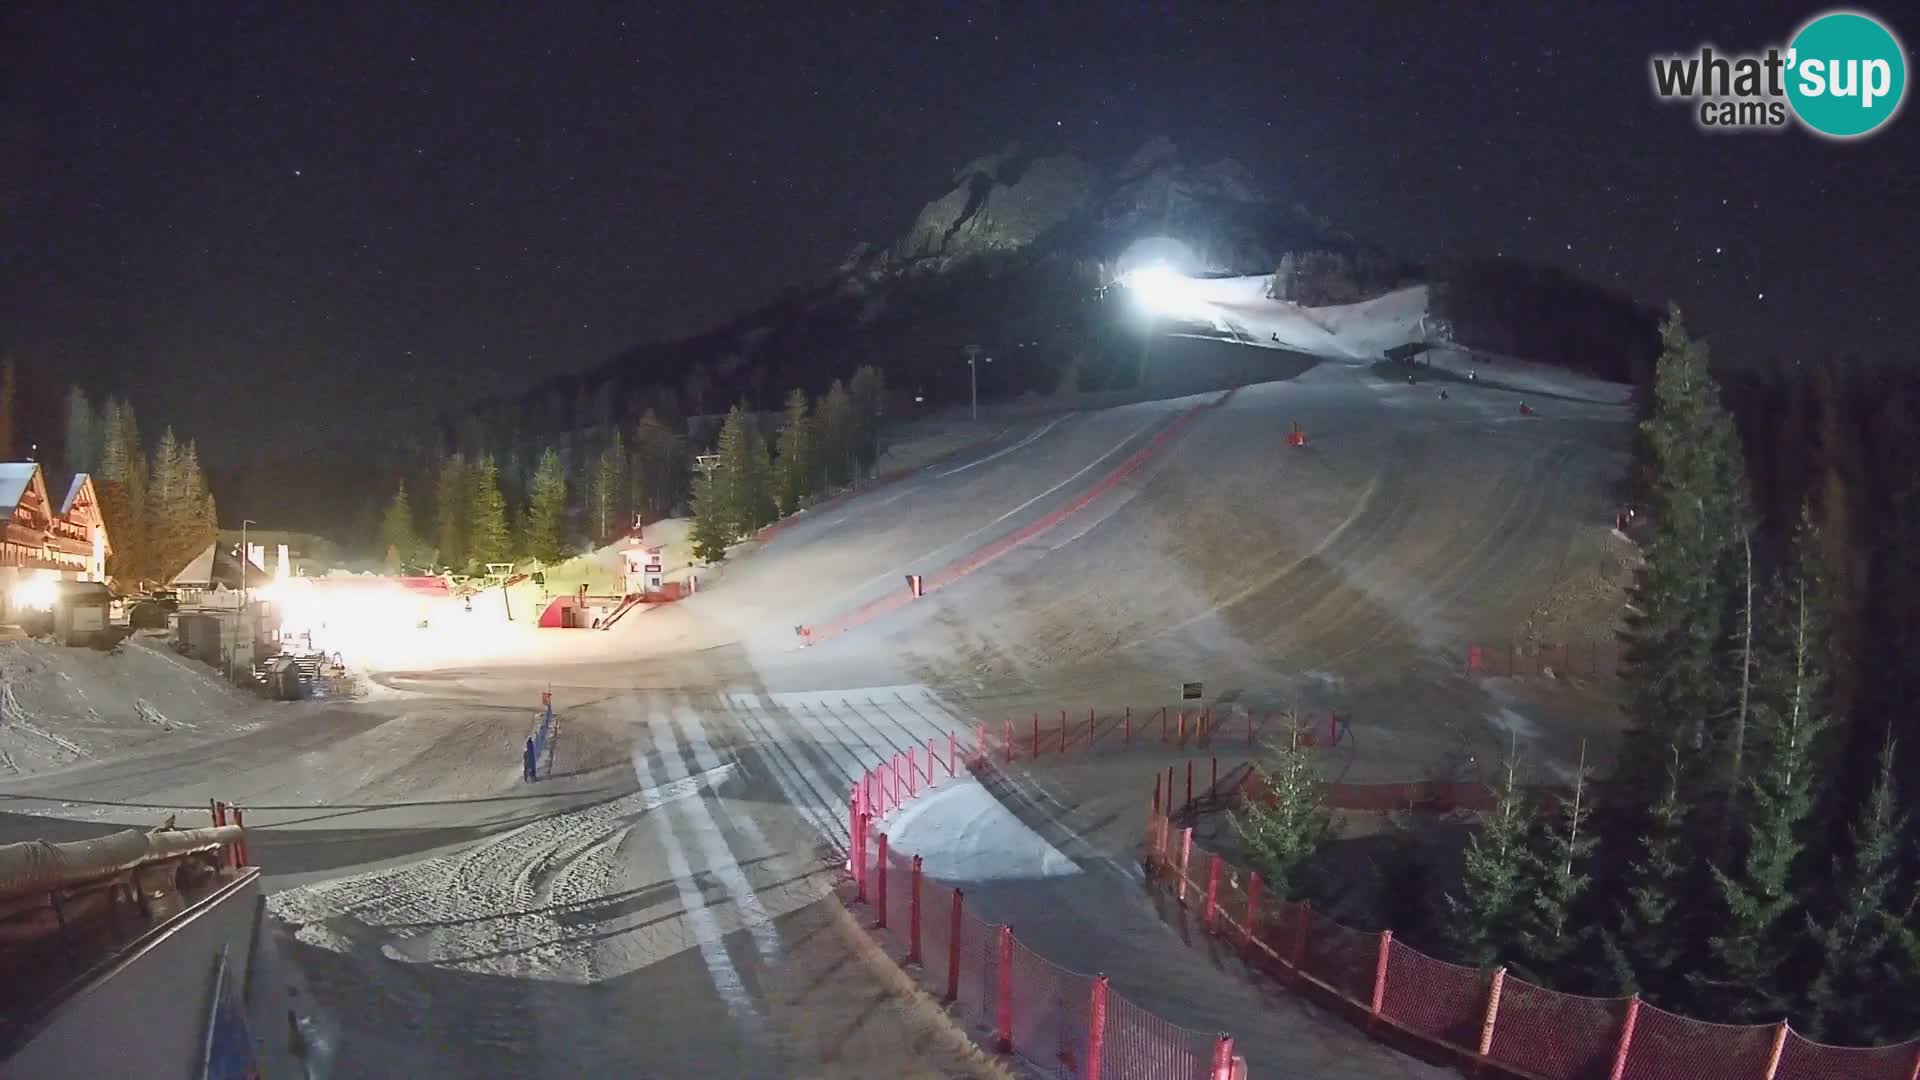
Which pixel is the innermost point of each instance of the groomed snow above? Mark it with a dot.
(963, 834)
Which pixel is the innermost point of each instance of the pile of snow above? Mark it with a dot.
(963, 834)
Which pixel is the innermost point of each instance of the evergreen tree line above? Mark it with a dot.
(158, 511)
(1738, 862)
(822, 444)
(482, 509)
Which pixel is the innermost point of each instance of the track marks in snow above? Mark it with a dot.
(1022, 444)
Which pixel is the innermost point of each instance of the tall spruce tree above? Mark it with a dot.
(397, 536)
(452, 510)
(609, 495)
(712, 530)
(834, 418)
(1760, 903)
(1644, 948)
(1680, 685)
(82, 434)
(489, 539)
(1483, 920)
(866, 397)
(547, 510)
(1853, 999)
(795, 467)
(122, 487)
(1282, 833)
(1549, 930)
(655, 469)
(758, 506)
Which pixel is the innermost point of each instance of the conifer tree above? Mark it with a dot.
(1284, 831)
(711, 525)
(1482, 921)
(758, 506)
(452, 506)
(834, 416)
(609, 498)
(1679, 682)
(1859, 943)
(547, 510)
(1741, 981)
(489, 540)
(82, 436)
(122, 487)
(866, 396)
(397, 536)
(1643, 951)
(795, 468)
(655, 475)
(1548, 931)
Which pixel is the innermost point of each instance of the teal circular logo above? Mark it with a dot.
(1846, 74)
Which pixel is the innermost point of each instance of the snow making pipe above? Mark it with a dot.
(36, 866)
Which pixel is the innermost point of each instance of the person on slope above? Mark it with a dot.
(529, 761)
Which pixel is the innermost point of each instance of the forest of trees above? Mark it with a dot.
(158, 511)
(518, 501)
(1751, 854)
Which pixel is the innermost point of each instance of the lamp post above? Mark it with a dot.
(973, 378)
(246, 557)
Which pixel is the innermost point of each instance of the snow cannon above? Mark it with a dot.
(1296, 437)
(1526, 409)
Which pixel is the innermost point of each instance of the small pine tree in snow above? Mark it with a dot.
(711, 529)
(1482, 919)
(547, 510)
(1558, 869)
(1643, 950)
(1285, 830)
(1858, 945)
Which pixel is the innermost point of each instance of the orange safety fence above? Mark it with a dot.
(1478, 1016)
(1015, 1000)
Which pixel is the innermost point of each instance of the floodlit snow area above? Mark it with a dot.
(661, 894)
(1241, 308)
(963, 834)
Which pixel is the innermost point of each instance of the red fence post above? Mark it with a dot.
(1380, 973)
(1169, 791)
(913, 772)
(1156, 793)
(1222, 1058)
(880, 895)
(1253, 904)
(896, 780)
(913, 916)
(1213, 892)
(1180, 727)
(1036, 735)
(1620, 1051)
(1096, 1026)
(1186, 855)
(953, 751)
(853, 840)
(953, 948)
(1004, 1035)
(1300, 936)
(860, 857)
(1493, 1013)
(213, 812)
(1063, 731)
(240, 845)
(1779, 1045)
(1006, 738)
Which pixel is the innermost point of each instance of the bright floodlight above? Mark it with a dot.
(1163, 291)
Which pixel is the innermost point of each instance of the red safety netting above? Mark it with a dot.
(1276, 934)
(1340, 957)
(1666, 1045)
(1142, 1046)
(1555, 1035)
(1442, 1001)
(936, 925)
(899, 896)
(979, 972)
(1049, 1011)
(1804, 1059)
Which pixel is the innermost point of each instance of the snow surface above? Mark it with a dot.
(963, 833)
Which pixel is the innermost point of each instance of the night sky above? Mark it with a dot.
(352, 215)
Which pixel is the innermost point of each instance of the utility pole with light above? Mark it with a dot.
(973, 377)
